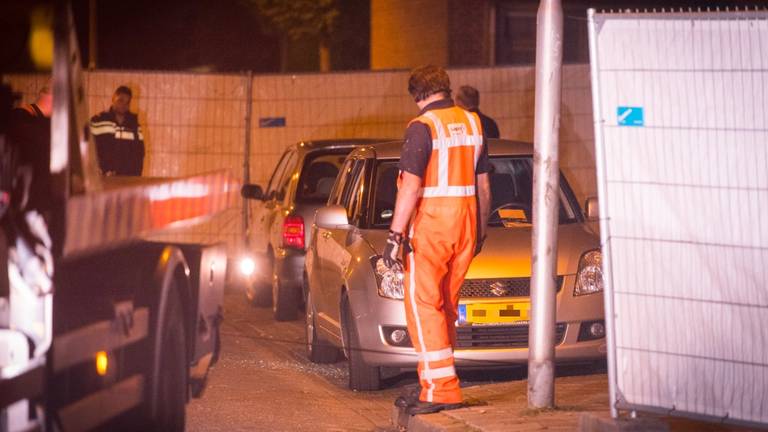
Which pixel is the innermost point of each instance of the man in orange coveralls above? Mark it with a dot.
(443, 179)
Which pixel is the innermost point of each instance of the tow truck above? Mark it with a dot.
(103, 325)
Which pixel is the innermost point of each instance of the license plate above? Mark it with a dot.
(493, 313)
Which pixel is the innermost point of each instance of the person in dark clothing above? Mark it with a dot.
(30, 131)
(469, 98)
(29, 225)
(119, 141)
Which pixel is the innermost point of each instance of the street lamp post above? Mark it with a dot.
(92, 35)
(546, 198)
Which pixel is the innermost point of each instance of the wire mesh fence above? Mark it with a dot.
(195, 123)
(681, 127)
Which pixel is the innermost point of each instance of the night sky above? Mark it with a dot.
(222, 35)
(203, 35)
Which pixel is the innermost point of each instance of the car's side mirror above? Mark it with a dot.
(332, 217)
(252, 191)
(591, 209)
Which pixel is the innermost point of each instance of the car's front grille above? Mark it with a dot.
(499, 336)
(493, 288)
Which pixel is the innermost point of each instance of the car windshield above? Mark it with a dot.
(511, 181)
(318, 175)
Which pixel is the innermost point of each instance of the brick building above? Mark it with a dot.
(458, 33)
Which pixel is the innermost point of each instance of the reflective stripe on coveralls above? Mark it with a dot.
(443, 240)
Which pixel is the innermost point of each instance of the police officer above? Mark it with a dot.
(119, 141)
(443, 189)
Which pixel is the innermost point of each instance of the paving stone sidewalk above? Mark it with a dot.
(581, 405)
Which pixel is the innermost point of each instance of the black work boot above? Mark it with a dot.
(421, 407)
(408, 396)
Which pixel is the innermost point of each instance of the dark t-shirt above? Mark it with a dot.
(490, 128)
(31, 133)
(417, 148)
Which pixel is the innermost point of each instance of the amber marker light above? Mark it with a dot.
(102, 362)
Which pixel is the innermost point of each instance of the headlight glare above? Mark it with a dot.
(247, 266)
(589, 278)
(389, 282)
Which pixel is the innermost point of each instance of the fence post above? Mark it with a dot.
(247, 148)
(546, 200)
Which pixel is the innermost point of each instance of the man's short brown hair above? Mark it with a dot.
(468, 97)
(428, 80)
(124, 90)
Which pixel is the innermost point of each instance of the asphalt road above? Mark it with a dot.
(264, 382)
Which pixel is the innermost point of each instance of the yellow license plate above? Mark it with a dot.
(493, 313)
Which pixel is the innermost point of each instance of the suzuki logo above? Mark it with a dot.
(498, 289)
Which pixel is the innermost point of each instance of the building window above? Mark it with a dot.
(516, 33)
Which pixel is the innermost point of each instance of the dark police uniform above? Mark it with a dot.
(119, 146)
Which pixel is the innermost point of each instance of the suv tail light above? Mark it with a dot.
(293, 232)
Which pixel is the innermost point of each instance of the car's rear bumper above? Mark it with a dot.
(289, 264)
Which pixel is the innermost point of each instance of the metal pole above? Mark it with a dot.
(605, 234)
(247, 148)
(92, 34)
(546, 201)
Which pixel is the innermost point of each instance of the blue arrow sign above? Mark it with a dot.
(267, 122)
(630, 116)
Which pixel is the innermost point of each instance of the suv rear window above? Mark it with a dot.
(318, 175)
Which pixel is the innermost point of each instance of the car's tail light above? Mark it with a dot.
(293, 232)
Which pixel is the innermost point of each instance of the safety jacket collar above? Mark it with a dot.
(128, 118)
(438, 104)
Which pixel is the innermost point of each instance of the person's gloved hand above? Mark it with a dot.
(392, 250)
(479, 245)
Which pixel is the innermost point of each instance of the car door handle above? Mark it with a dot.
(326, 234)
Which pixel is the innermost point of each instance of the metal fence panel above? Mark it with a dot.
(194, 123)
(681, 134)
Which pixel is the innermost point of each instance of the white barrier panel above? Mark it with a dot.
(681, 133)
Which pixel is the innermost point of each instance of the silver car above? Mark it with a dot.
(356, 307)
(274, 265)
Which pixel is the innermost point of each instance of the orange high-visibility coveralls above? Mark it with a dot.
(442, 237)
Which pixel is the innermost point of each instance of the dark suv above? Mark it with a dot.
(281, 215)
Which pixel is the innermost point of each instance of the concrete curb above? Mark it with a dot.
(438, 422)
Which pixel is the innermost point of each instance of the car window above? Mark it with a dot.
(282, 184)
(338, 186)
(385, 192)
(511, 181)
(277, 174)
(352, 191)
(318, 176)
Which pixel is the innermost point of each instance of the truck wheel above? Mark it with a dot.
(361, 375)
(318, 351)
(283, 300)
(171, 388)
(217, 346)
(197, 386)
